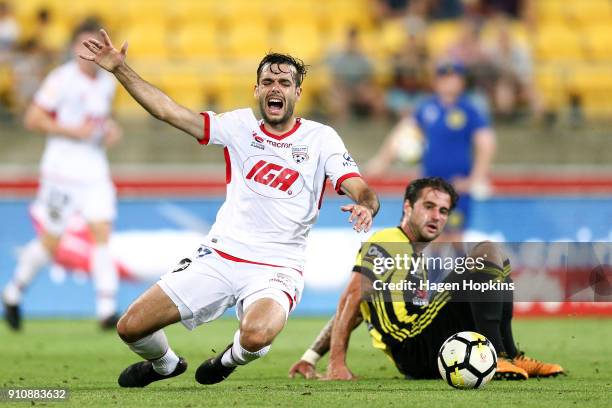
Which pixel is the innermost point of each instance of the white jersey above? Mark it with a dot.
(73, 98)
(275, 185)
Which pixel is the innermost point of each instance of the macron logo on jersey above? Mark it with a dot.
(271, 177)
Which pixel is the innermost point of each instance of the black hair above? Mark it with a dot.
(274, 58)
(89, 25)
(413, 191)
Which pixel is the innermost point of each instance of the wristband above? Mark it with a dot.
(311, 357)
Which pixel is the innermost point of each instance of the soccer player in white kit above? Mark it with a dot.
(253, 256)
(72, 107)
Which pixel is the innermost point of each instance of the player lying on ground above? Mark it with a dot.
(408, 326)
(72, 108)
(254, 253)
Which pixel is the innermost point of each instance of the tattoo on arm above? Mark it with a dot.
(323, 340)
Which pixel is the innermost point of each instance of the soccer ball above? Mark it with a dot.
(467, 360)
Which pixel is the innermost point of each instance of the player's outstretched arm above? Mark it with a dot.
(366, 203)
(157, 103)
(347, 318)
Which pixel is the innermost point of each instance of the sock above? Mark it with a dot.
(106, 281)
(156, 349)
(487, 311)
(506, 324)
(30, 261)
(236, 355)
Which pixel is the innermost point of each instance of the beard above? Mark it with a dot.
(276, 121)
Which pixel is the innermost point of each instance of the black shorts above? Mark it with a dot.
(416, 357)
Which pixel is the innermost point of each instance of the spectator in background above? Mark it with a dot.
(514, 69)
(32, 60)
(9, 29)
(469, 50)
(458, 143)
(354, 90)
(410, 77)
(386, 9)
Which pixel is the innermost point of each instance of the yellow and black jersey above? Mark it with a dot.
(392, 315)
(395, 305)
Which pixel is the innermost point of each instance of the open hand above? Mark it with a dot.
(361, 215)
(305, 369)
(104, 53)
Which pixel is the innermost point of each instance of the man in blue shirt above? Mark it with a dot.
(458, 143)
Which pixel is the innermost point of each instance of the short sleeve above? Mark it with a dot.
(479, 118)
(339, 165)
(216, 128)
(49, 95)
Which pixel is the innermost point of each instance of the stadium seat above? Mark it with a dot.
(558, 42)
(145, 42)
(439, 36)
(551, 11)
(245, 40)
(599, 41)
(586, 13)
(301, 40)
(196, 41)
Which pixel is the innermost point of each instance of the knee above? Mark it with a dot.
(254, 338)
(128, 328)
(489, 251)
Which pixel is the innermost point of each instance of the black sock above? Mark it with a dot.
(487, 307)
(506, 323)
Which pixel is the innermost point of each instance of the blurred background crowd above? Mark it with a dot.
(526, 59)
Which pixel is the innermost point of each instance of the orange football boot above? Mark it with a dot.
(508, 371)
(537, 368)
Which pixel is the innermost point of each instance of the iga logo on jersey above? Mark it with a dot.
(270, 176)
(299, 153)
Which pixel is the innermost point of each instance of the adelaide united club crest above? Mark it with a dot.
(299, 153)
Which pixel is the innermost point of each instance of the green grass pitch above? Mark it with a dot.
(77, 356)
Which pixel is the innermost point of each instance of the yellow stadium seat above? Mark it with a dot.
(245, 41)
(195, 41)
(145, 42)
(551, 11)
(589, 12)
(551, 83)
(599, 41)
(440, 36)
(594, 86)
(393, 36)
(192, 11)
(300, 40)
(558, 42)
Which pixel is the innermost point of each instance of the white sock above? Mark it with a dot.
(106, 281)
(156, 349)
(166, 363)
(237, 355)
(30, 261)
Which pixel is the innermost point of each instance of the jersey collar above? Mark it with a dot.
(298, 122)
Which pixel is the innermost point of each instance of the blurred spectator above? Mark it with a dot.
(41, 38)
(386, 9)
(353, 90)
(470, 51)
(410, 77)
(456, 141)
(514, 68)
(9, 29)
(446, 9)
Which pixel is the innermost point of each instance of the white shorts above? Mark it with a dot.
(56, 203)
(206, 285)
